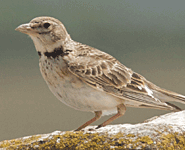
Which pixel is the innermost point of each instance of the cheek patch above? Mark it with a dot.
(55, 37)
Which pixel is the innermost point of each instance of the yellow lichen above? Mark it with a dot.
(172, 141)
(95, 141)
(130, 135)
(16, 142)
(146, 139)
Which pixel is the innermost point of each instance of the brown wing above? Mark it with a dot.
(101, 69)
(104, 72)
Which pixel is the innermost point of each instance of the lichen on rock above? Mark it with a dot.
(164, 132)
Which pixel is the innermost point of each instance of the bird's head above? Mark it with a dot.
(46, 32)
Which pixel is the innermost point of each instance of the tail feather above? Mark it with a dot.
(166, 96)
(174, 106)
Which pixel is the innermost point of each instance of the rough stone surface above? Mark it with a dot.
(163, 132)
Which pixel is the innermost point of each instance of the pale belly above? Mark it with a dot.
(70, 90)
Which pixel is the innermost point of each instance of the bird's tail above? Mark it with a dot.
(167, 96)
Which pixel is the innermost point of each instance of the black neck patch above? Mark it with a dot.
(57, 52)
(39, 53)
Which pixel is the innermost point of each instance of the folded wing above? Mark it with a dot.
(103, 72)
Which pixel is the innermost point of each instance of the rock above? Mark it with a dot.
(163, 132)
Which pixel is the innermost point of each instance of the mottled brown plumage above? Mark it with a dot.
(88, 79)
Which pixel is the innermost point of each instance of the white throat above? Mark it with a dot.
(42, 47)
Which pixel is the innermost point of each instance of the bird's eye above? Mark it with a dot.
(46, 25)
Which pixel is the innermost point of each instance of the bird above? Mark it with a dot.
(90, 80)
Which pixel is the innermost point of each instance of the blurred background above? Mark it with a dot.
(147, 36)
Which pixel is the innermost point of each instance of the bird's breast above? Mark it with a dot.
(71, 90)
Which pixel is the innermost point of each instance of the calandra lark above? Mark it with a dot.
(88, 79)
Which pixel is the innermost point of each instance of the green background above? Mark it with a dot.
(147, 36)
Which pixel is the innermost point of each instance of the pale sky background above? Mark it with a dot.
(147, 36)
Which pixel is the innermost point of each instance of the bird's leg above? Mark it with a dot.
(97, 116)
(121, 111)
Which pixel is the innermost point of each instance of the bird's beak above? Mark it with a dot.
(24, 28)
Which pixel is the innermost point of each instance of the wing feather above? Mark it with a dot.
(103, 72)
